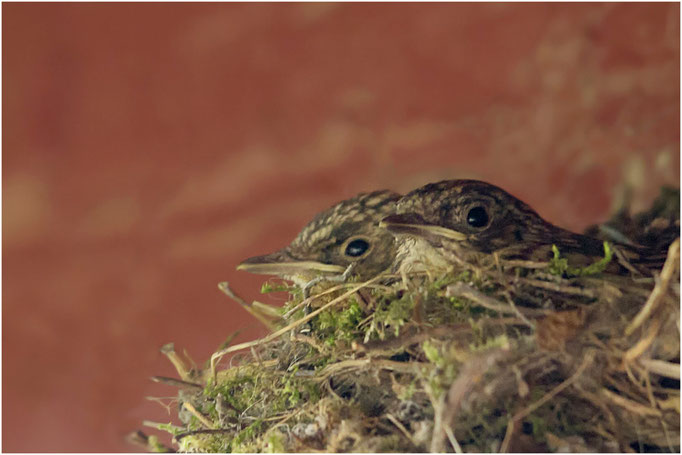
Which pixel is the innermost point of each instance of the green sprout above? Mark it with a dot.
(560, 266)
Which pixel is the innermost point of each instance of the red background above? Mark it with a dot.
(148, 148)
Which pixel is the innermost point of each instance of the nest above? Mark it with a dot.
(489, 356)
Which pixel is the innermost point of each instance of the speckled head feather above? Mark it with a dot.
(477, 216)
(347, 233)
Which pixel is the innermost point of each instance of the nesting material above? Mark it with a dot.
(492, 356)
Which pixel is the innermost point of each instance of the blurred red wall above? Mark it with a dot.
(148, 148)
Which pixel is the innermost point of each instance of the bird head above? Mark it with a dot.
(471, 213)
(346, 234)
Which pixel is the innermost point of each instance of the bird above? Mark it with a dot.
(341, 242)
(465, 218)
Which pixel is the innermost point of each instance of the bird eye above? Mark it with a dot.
(477, 217)
(356, 248)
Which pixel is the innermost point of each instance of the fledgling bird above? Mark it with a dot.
(343, 240)
(467, 217)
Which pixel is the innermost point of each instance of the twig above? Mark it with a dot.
(453, 441)
(470, 375)
(661, 367)
(161, 426)
(623, 261)
(402, 428)
(414, 335)
(225, 288)
(649, 389)
(556, 287)
(150, 443)
(176, 382)
(598, 401)
(383, 364)
(187, 405)
(209, 431)
(160, 402)
(661, 287)
(216, 356)
(169, 351)
(630, 405)
(589, 357)
(644, 343)
(521, 316)
(507, 291)
(464, 290)
(523, 264)
(306, 301)
(329, 291)
(316, 344)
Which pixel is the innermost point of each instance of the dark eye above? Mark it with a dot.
(356, 248)
(477, 217)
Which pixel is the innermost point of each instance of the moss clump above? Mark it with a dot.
(560, 266)
(491, 356)
(339, 325)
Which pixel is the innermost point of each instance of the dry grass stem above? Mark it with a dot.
(671, 265)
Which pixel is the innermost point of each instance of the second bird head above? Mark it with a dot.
(475, 216)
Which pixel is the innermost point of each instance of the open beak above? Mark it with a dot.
(413, 224)
(281, 263)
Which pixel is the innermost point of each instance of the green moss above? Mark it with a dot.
(155, 445)
(392, 315)
(442, 309)
(408, 392)
(538, 425)
(339, 324)
(238, 390)
(449, 278)
(560, 266)
(240, 442)
(432, 353)
(349, 320)
(440, 378)
(270, 287)
(484, 344)
(275, 443)
(292, 390)
(167, 427)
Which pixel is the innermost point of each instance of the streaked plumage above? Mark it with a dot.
(346, 234)
(468, 216)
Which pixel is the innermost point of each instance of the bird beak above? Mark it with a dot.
(281, 263)
(413, 224)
